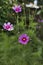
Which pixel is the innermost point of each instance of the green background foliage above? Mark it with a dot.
(11, 51)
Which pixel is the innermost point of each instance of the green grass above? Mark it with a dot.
(14, 53)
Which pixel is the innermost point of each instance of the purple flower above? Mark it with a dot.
(40, 20)
(8, 26)
(17, 9)
(24, 39)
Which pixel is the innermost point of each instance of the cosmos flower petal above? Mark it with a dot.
(8, 23)
(5, 24)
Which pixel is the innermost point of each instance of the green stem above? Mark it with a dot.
(17, 23)
(24, 14)
(16, 1)
(35, 12)
(29, 13)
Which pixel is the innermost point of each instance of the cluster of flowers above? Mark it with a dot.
(8, 26)
(23, 39)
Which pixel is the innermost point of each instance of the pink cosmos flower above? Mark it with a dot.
(8, 26)
(17, 9)
(24, 39)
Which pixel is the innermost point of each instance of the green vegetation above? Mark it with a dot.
(11, 51)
